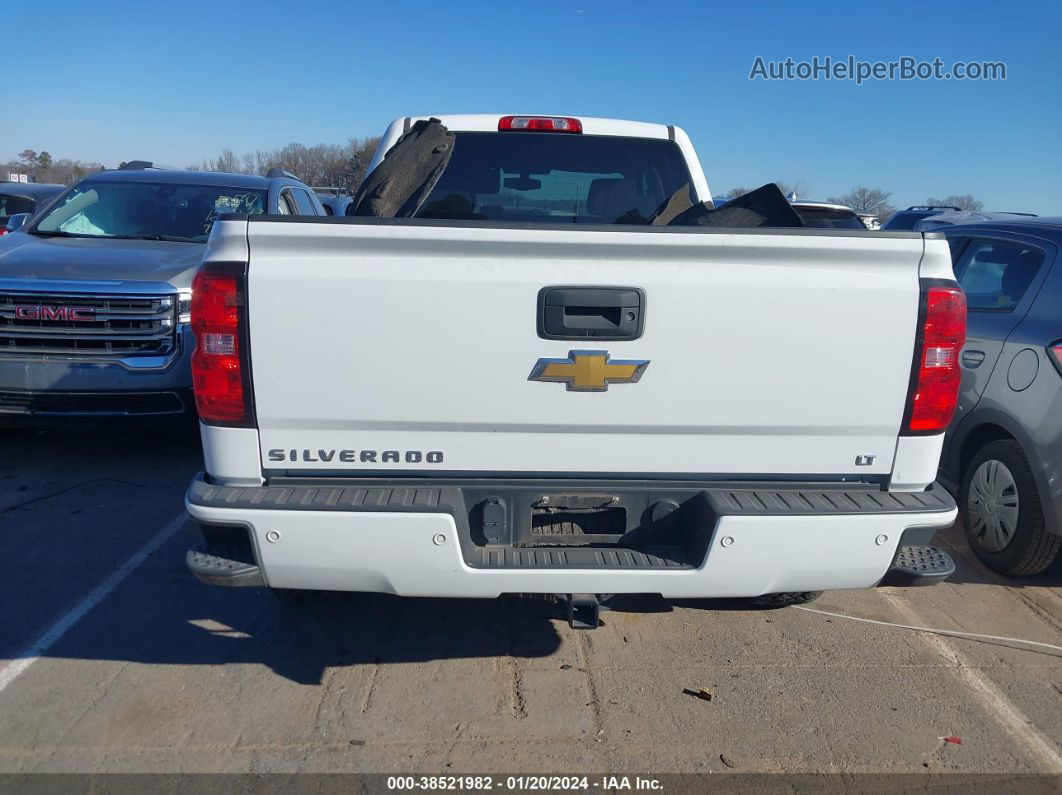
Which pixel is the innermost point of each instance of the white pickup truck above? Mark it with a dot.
(521, 390)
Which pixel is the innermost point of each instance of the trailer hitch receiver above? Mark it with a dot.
(584, 611)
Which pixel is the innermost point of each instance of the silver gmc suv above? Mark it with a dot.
(94, 290)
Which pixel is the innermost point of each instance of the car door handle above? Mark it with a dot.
(590, 313)
(972, 359)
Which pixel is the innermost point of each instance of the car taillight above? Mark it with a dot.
(1054, 352)
(564, 124)
(220, 372)
(3, 231)
(936, 375)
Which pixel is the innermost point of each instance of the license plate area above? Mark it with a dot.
(636, 526)
(575, 520)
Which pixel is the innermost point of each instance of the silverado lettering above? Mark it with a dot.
(357, 456)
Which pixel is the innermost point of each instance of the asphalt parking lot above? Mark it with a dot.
(112, 658)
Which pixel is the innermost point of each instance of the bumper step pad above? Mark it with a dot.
(218, 565)
(919, 566)
(577, 558)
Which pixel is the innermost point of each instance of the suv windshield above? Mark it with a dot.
(556, 178)
(143, 210)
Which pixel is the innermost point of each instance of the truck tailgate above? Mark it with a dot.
(407, 347)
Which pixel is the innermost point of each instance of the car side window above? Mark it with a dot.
(996, 274)
(304, 202)
(286, 204)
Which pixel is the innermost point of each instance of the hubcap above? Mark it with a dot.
(993, 506)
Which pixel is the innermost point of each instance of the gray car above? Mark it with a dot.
(95, 289)
(1003, 451)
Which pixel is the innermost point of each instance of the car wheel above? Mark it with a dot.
(1001, 512)
(785, 599)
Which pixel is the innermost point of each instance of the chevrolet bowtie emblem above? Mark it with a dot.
(589, 371)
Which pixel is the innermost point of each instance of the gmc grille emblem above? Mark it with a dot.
(42, 312)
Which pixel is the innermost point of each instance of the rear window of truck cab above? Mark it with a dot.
(556, 178)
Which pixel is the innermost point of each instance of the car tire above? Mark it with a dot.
(1001, 512)
(785, 599)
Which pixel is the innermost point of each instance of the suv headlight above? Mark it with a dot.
(184, 306)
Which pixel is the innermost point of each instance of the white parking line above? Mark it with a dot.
(991, 697)
(35, 650)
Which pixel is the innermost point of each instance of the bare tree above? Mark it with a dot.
(963, 202)
(62, 171)
(867, 200)
(361, 152)
(321, 165)
(227, 162)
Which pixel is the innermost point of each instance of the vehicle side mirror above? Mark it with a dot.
(17, 221)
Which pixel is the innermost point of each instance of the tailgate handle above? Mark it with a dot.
(598, 313)
(973, 359)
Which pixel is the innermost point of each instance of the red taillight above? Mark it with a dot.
(1054, 351)
(564, 124)
(935, 391)
(219, 370)
(3, 231)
